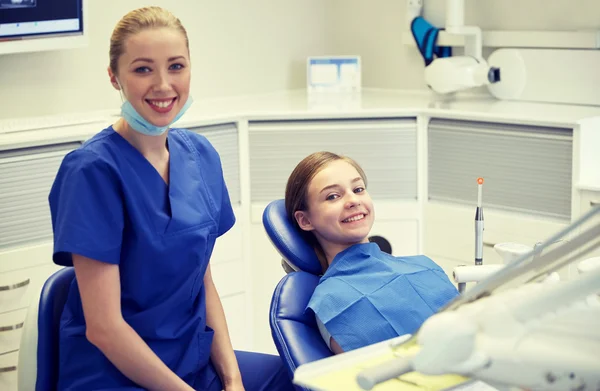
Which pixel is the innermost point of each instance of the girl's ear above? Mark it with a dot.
(303, 220)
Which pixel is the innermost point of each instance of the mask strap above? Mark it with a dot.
(120, 90)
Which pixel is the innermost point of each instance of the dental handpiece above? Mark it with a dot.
(479, 225)
(370, 377)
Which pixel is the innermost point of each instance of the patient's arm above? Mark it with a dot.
(331, 343)
(334, 346)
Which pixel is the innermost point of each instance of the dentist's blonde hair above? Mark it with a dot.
(139, 20)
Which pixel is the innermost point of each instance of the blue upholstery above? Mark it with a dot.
(288, 241)
(52, 301)
(295, 333)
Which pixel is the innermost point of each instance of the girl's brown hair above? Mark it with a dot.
(296, 191)
(136, 21)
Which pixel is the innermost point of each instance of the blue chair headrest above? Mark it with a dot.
(288, 240)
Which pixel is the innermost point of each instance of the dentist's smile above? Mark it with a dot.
(161, 105)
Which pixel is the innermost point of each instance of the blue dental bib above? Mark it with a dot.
(367, 296)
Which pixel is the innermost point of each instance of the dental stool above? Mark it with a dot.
(38, 351)
(295, 333)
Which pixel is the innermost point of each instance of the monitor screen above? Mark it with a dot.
(32, 19)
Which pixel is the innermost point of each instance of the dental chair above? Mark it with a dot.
(38, 351)
(294, 332)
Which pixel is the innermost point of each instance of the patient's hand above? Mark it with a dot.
(335, 347)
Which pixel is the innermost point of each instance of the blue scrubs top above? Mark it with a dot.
(110, 204)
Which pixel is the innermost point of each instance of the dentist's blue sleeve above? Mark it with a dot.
(86, 209)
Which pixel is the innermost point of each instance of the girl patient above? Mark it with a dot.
(365, 295)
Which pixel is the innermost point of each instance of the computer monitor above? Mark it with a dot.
(39, 25)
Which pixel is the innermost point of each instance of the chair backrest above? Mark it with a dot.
(38, 352)
(288, 241)
(294, 331)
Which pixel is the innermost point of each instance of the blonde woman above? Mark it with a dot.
(136, 210)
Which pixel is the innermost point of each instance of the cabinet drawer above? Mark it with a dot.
(8, 371)
(11, 326)
(18, 287)
(229, 277)
(450, 231)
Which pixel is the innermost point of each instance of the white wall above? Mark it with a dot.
(374, 29)
(237, 47)
(244, 47)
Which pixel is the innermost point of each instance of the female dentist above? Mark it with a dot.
(136, 210)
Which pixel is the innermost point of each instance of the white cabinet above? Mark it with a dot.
(26, 175)
(11, 323)
(228, 267)
(449, 232)
(224, 138)
(398, 222)
(266, 272)
(526, 192)
(235, 306)
(228, 261)
(527, 169)
(8, 371)
(386, 148)
(18, 288)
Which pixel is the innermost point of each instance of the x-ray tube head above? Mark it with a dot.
(452, 74)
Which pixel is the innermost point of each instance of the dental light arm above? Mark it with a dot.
(452, 74)
(455, 25)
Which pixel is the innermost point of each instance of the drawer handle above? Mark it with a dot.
(15, 286)
(594, 203)
(8, 369)
(12, 327)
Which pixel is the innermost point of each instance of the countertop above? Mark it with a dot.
(368, 104)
